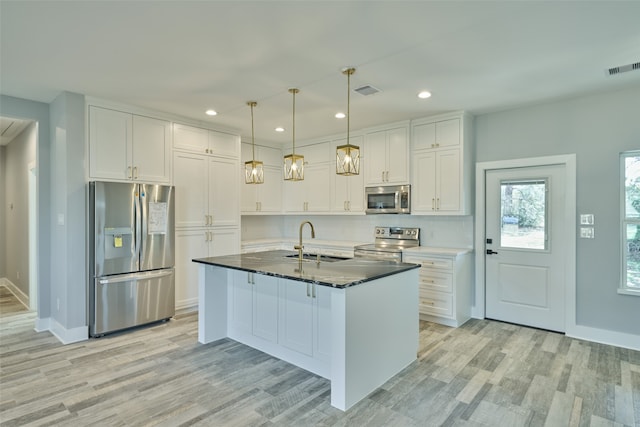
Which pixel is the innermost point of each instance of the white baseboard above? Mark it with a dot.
(42, 325)
(189, 304)
(21, 296)
(68, 336)
(603, 336)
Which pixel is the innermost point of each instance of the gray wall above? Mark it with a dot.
(596, 128)
(38, 111)
(68, 190)
(18, 154)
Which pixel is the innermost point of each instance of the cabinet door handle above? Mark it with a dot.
(438, 203)
(135, 172)
(308, 294)
(129, 172)
(348, 205)
(382, 176)
(313, 291)
(387, 176)
(433, 204)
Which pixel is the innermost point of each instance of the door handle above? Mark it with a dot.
(490, 252)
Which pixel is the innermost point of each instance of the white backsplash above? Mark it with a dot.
(445, 231)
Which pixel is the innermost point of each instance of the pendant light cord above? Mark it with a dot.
(253, 145)
(293, 127)
(348, 103)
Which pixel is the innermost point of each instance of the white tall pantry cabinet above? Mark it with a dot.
(207, 203)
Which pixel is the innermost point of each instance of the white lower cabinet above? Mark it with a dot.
(292, 314)
(445, 286)
(199, 243)
(254, 304)
(305, 318)
(265, 306)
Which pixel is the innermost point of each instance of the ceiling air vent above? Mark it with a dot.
(623, 69)
(366, 90)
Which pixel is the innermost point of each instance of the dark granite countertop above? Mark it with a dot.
(338, 274)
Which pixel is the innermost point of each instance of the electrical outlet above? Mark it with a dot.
(587, 233)
(587, 219)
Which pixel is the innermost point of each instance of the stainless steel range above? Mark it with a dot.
(389, 243)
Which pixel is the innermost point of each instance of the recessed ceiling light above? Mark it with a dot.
(424, 94)
(279, 129)
(211, 113)
(340, 115)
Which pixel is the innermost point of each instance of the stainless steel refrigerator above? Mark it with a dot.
(131, 271)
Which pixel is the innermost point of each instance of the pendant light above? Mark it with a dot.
(348, 155)
(254, 169)
(293, 163)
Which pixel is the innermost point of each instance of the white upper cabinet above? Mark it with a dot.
(387, 156)
(151, 150)
(190, 138)
(442, 162)
(266, 197)
(441, 134)
(313, 194)
(128, 147)
(190, 176)
(204, 141)
(224, 192)
(205, 196)
(347, 192)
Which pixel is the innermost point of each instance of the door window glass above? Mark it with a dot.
(631, 221)
(523, 214)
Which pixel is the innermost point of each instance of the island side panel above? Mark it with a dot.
(212, 303)
(375, 335)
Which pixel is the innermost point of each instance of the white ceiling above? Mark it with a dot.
(183, 57)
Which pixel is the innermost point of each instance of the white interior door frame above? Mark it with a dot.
(33, 239)
(569, 163)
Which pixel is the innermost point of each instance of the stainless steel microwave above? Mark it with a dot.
(388, 199)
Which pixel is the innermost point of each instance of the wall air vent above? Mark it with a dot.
(366, 90)
(623, 69)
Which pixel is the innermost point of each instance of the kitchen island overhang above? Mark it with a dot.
(354, 322)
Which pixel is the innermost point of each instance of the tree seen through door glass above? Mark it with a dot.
(523, 214)
(631, 220)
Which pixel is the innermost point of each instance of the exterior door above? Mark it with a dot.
(525, 246)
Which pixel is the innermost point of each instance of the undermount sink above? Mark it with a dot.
(316, 257)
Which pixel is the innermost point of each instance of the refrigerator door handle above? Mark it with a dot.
(136, 276)
(138, 220)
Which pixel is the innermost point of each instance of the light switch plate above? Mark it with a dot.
(586, 219)
(587, 233)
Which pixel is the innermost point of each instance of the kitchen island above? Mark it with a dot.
(353, 321)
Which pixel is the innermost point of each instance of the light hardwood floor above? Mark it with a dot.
(484, 373)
